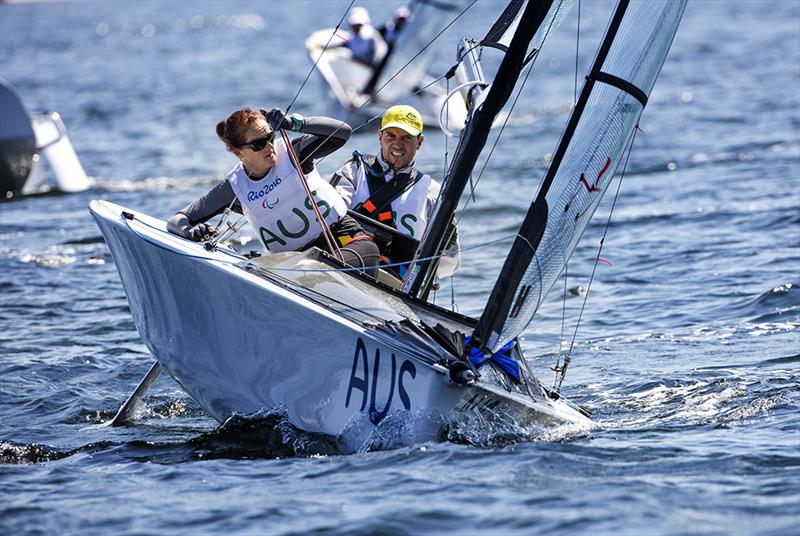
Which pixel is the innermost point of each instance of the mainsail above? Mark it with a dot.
(601, 125)
(532, 24)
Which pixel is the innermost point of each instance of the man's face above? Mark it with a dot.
(398, 147)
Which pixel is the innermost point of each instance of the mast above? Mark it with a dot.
(522, 285)
(472, 141)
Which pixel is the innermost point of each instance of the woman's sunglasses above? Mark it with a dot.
(258, 144)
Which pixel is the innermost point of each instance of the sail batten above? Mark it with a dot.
(613, 96)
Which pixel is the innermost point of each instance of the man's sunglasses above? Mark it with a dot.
(258, 144)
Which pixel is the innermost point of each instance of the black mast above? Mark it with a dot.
(470, 145)
(530, 234)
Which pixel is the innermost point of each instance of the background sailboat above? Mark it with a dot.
(357, 93)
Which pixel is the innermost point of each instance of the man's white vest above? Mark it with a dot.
(410, 208)
(277, 206)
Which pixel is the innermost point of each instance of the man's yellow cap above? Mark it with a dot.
(404, 117)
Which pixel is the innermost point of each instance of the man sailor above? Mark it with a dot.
(388, 187)
(391, 30)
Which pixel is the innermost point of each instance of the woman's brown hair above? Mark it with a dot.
(231, 130)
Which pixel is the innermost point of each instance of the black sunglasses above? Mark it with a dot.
(258, 144)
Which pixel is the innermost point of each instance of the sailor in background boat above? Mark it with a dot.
(388, 188)
(266, 187)
(391, 30)
(364, 40)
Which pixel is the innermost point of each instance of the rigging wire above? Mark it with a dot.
(226, 213)
(375, 94)
(557, 367)
(534, 57)
(336, 29)
(568, 357)
(577, 53)
(241, 257)
(453, 305)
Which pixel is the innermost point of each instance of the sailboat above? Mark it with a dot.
(358, 93)
(343, 354)
(24, 139)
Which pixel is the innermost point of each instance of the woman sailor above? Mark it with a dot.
(265, 186)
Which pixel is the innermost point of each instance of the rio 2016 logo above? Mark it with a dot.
(258, 194)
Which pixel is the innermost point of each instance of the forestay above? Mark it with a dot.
(611, 102)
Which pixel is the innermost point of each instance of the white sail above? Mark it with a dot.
(594, 146)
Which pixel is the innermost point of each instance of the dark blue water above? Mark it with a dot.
(688, 351)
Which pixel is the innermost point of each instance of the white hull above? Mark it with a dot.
(242, 340)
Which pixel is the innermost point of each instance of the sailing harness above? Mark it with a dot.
(378, 205)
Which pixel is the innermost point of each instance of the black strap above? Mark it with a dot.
(381, 192)
(621, 84)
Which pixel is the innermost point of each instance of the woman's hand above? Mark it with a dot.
(199, 232)
(277, 120)
(179, 225)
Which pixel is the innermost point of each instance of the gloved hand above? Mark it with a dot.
(179, 225)
(199, 232)
(277, 120)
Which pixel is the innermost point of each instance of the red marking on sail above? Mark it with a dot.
(604, 261)
(589, 188)
(585, 183)
(605, 168)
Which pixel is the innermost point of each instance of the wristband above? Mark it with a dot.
(297, 122)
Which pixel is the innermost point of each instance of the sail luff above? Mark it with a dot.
(471, 143)
(582, 168)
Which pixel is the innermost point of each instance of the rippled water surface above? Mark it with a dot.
(688, 351)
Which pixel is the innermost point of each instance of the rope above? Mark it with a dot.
(243, 258)
(568, 357)
(330, 241)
